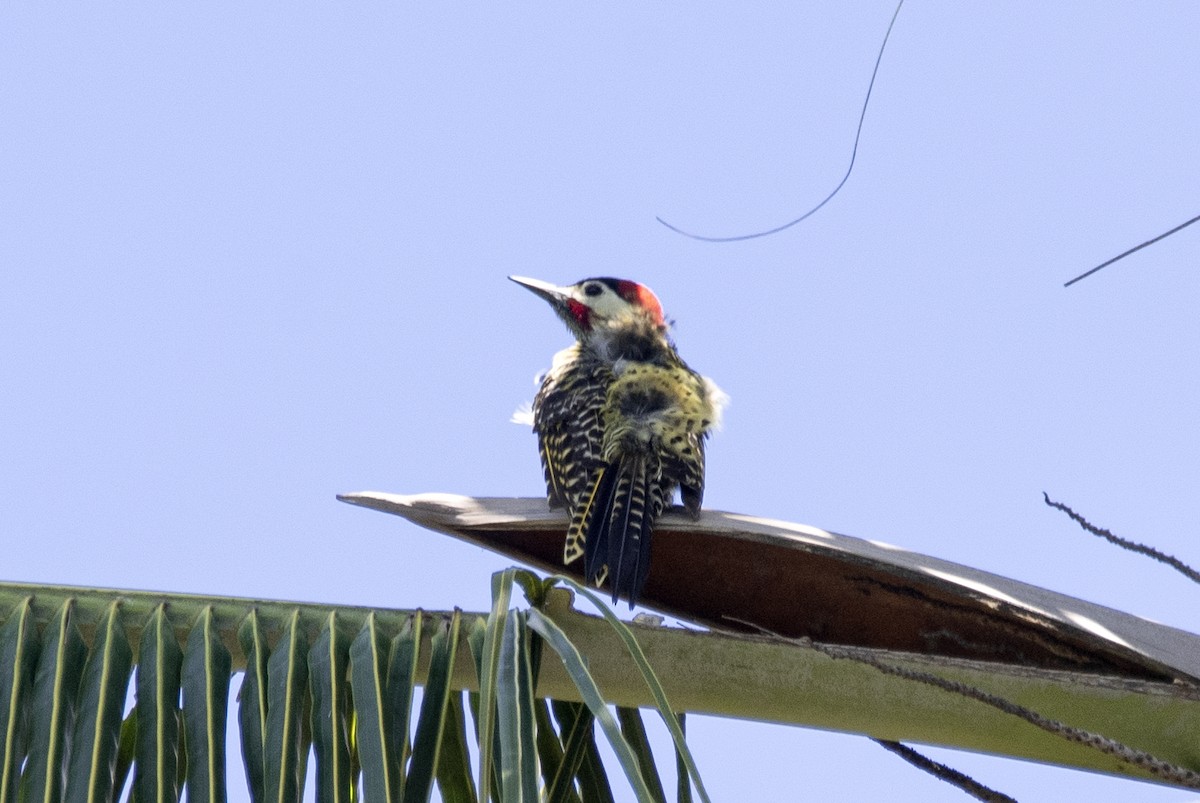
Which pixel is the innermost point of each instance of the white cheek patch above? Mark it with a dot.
(607, 305)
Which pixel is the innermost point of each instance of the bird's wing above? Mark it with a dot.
(568, 423)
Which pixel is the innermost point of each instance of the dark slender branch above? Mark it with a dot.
(853, 155)
(1131, 250)
(1149, 551)
(1159, 768)
(944, 773)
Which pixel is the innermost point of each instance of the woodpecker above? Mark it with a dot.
(621, 422)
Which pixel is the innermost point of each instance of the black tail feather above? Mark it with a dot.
(595, 542)
(618, 537)
(629, 530)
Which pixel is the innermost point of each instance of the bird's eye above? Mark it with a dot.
(593, 290)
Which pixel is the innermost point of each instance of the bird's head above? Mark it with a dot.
(592, 303)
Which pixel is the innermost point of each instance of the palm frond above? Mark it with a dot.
(336, 684)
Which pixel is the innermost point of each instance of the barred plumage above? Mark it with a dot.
(621, 422)
(567, 419)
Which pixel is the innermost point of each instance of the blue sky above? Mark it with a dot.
(255, 256)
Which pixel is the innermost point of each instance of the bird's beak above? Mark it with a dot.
(557, 296)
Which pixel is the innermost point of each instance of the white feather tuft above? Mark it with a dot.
(523, 415)
(719, 400)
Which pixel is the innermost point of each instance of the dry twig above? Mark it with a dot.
(944, 773)
(1149, 551)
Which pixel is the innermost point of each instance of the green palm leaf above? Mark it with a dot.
(156, 777)
(328, 662)
(206, 668)
(18, 658)
(368, 677)
(286, 739)
(432, 720)
(60, 667)
(347, 700)
(90, 775)
(252, 705)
